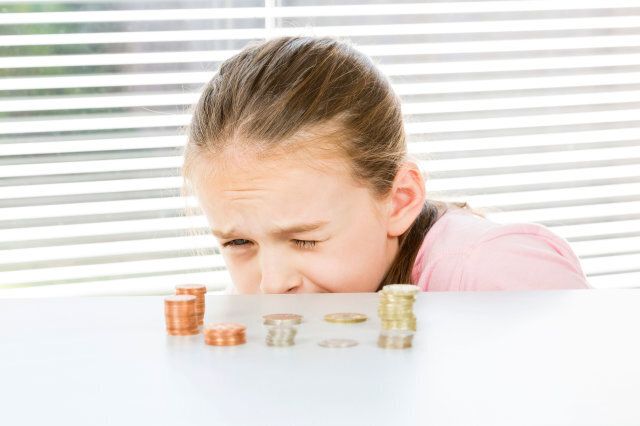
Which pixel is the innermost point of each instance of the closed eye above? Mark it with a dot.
(236, 243)
(239, 243)
(305, 244)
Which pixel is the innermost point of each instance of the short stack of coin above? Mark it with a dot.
(396, 314)
(281, 329)
(224, 334)
(395, 339)
(180, 315)
(197, 290)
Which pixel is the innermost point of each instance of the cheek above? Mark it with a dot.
(244, 273)
(349, 275)
(357, 263)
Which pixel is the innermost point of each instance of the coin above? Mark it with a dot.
(225, 328)
(395, 342)
(337, 343)
(278, 343)
(281, 335)
(187, 332)
(197, 290)
(281, 329)
(282, 319)
(180, 315)
(200, 288)
(177, 299)
(395, 310)
(224, 334)
(399, 289)
(345, 317)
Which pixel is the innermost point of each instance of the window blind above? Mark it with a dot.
(526, 109)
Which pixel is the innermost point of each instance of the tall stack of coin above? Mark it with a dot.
(281, 329)
(396, 314)
(180, 315)
(224, 334)
(197, 290)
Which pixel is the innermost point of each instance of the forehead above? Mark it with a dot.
(288, 179)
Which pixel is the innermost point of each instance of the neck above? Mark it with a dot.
(393, 248)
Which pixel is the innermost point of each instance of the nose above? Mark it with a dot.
(277, 274)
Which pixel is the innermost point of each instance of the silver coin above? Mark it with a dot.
(279, 343)
(337, 343)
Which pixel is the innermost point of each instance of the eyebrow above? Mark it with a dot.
(297, 228)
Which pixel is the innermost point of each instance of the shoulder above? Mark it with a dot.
(470, 252)
(523, 256)
(442, 249)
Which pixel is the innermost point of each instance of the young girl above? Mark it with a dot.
(297, 154)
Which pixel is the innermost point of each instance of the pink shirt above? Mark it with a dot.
(463, 251)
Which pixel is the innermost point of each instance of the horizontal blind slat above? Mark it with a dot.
(84, 230)
(149, 284)
(186, 264)
(128, 248)
(507, 101)
(506, 27)
(93, 272)
(109, 207)
(301, 11)
(443, 67)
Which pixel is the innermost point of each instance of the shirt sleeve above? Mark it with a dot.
(521, 257)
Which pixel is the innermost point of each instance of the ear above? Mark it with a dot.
(406, 199)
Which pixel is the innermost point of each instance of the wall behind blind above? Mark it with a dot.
(526, 108)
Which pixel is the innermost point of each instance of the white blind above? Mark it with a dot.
(528, 108)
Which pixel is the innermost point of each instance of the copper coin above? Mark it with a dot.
(224, 328)
(188, 288)
(225, 341)
(185, 332)
(179, 298)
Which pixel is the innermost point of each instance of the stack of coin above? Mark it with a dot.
(395, 339)
(396, 314)
(396, 307)
(180, 315)
(197, 290)
(281, 329)
(224, 334)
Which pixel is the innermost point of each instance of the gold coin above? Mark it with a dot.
(345, 317)
(400, 289)
(395, 341)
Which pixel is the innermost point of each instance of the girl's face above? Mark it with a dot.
(286, 227)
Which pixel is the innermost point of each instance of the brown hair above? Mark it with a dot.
(285, 87)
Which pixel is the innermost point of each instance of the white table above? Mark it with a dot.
(510, 358)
